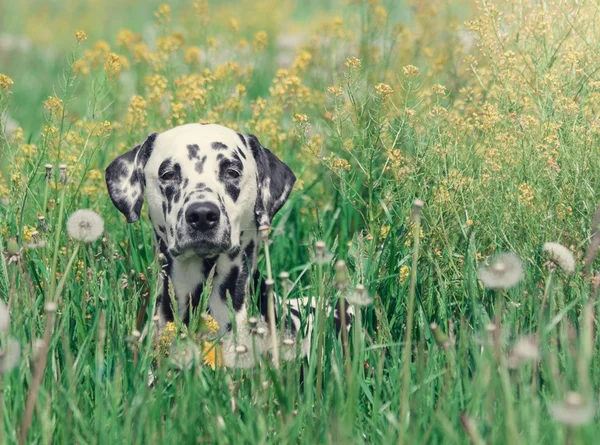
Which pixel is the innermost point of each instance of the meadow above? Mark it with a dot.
(439, 147)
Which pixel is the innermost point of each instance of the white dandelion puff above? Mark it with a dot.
(4, 317)
(10, 355)
(560, 256)
(237, 355)
(288, 349)
(525, 349)
(184, 356)
(85, 226)
(573, 410)
(504, 272)
(359, 297)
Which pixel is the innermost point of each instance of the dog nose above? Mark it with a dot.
(202, 215)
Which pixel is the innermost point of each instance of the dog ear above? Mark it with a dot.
(275, 182)
(125, 179)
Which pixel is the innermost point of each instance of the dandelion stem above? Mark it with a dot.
(38, 375)
(63, 279)
(58, 229)
(409, 317)
(320, 327)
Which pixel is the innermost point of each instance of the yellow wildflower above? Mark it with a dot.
(192, 54)
(260, 41)
(53, 105)
(353, 62)
(5, 82)
(212, 354)
(28, 232)
(439, 90)
(300, 119)
(410, 71)
(384, 90)
(163, 14)
(166, 338)
(235, 25)
(80, 36)
(404, 273)
(335, 90)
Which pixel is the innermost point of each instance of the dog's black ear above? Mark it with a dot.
(125, 179)
(275, 182)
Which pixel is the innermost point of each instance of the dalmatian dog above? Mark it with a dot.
(208, 189)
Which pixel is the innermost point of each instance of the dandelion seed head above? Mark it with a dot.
(4, 317)
(525, 349)
(573, 410)
(184, 356)
(560, 256)
(85, 226)
(359, 297)
(504, 272)
(10, 355)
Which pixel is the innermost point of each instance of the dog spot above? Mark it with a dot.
(196, 294)
(231, 285)
(234, 252)
(200, 165)
(233, 191)
(218, 146)
(249, 253)
(241, 152)
(193, 151)
(220, 156)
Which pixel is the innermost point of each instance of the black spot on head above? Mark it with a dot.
(193, 151)
(218, 146)
(241, 152)
(243, 139)
(233, 191)
(220, 156)
(232, 185)
(200, 165)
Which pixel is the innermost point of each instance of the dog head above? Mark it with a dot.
(204, 185)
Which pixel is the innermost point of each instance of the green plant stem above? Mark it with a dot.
(58, 230)
(406, 356)
(320, 333)
(271, 307)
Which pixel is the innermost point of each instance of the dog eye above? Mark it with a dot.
(168, 175)
(233, 174)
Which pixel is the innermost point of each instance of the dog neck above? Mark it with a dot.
(233, 280)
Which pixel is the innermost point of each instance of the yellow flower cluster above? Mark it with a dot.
(5, 82)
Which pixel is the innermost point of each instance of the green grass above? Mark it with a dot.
(505, 159)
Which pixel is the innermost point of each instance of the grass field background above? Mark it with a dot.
(487, 111)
